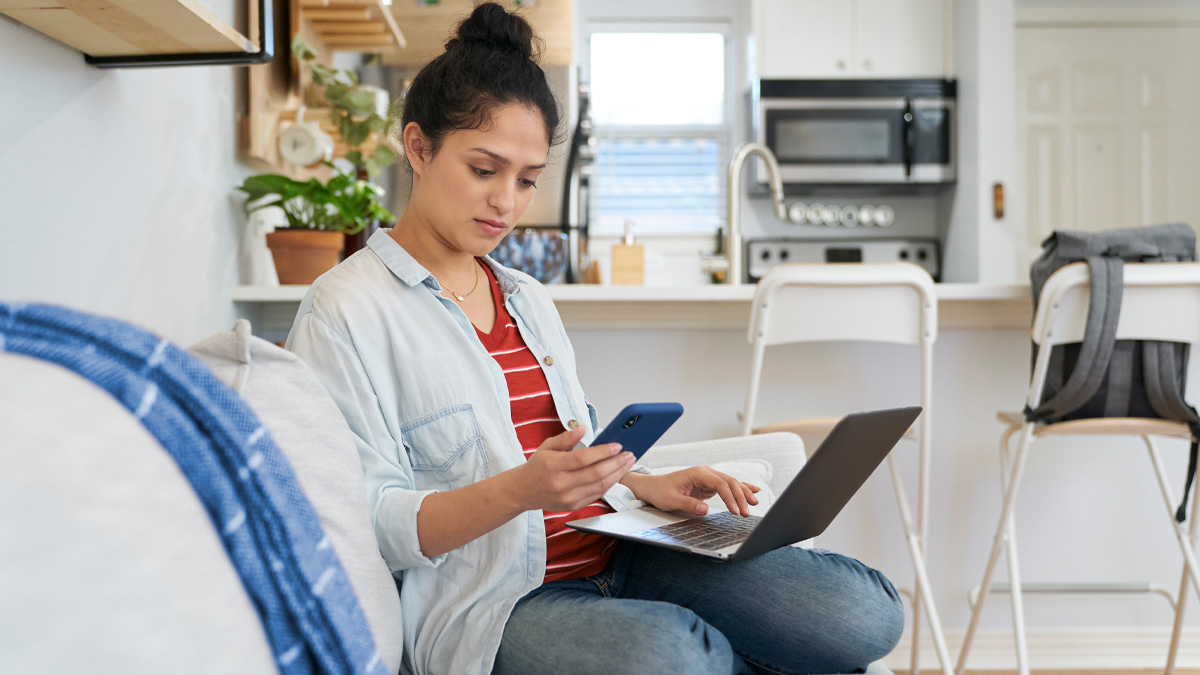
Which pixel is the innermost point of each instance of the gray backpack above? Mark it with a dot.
(1103, 376)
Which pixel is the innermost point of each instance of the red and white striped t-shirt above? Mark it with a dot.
(569, 554)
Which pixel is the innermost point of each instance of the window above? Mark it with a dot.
(660, 111)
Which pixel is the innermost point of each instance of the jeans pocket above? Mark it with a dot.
(445, 448)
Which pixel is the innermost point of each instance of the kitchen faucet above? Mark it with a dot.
(732, 264)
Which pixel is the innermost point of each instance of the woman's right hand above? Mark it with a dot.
(557, 478)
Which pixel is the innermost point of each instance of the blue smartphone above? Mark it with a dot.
(639, 426)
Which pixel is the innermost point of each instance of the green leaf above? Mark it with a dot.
(266, 183)
(355, 132)
(383, 155)
(302, 50)
(336, 92)
(361, 102)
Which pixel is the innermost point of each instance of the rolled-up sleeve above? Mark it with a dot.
(394, 502)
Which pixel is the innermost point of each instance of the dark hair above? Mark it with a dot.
(489, 62)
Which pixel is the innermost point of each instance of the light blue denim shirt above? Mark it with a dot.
(429, 410)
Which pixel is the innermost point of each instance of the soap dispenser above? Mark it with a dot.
(628, 260)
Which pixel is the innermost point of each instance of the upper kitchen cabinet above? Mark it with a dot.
(799, 39)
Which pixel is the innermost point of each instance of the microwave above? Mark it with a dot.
(857, 132)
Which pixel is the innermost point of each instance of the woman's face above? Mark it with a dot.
(476, 187)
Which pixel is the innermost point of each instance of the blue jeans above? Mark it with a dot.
(654, 610)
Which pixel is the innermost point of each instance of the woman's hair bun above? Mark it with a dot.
(493, 27)
(490, 61)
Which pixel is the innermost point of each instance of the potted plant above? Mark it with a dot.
(325, 218)
(319, 215)
(367, 128)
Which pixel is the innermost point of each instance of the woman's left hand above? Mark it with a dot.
(686, 490)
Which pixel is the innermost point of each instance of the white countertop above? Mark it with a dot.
(586, 306)
(607, 293)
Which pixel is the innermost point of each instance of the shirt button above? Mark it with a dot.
(549, 360)
(572, 424)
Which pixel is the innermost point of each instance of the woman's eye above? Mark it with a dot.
(528, 183)
(482, 172)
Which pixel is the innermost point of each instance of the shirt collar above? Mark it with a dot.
(408, 270)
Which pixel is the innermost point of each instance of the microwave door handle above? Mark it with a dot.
(910, 139)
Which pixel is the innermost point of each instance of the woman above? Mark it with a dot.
(459, 382)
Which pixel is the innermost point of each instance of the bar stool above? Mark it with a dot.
(1060, 319)
(888, 302)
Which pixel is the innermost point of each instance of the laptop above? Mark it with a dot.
(830, 477)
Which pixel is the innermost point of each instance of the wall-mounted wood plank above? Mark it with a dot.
(126, 27)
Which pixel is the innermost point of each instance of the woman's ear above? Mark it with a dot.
(416, 147)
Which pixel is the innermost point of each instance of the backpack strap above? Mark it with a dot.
(1107, 284)
(1161, 372)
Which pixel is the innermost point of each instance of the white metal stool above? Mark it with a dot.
(890, 302)
(1060, 319)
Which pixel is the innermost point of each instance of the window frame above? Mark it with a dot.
(725, 134)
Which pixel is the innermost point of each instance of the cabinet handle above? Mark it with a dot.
(841, 64)
(867, 65)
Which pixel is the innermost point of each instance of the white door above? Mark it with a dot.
(1107, 127)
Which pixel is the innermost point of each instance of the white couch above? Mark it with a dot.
(109, 564)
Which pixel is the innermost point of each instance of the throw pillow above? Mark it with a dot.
(310, 430)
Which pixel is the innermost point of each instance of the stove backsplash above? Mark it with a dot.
(847, 216)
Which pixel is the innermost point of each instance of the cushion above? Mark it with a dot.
(310, 430)
(753, 471)
(108, 561)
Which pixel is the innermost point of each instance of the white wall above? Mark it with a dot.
(117, 186)
(978, 246)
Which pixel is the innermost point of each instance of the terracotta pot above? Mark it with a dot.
(303, 255)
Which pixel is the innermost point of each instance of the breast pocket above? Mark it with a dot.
(445, 449)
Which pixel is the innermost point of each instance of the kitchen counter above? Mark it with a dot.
(596, 307)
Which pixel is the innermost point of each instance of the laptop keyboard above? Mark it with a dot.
(710, 533)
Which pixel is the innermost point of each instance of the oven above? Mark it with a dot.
(763, 254)
(857, 132)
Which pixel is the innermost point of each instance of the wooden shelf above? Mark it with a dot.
(353, 25)
(102, 28)
(429, 27)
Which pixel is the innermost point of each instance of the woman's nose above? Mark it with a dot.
(503, 197)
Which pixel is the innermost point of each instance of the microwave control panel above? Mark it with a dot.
(763, 254)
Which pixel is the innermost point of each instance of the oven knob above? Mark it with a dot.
(814, 213)
(849, 216)
(829, 215)
(783, 254)
(884, 216)
(904, 254)
(766, 254)
(866, 215)
(798, 213)
(922, 254)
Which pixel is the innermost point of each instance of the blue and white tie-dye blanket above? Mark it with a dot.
(274, 539)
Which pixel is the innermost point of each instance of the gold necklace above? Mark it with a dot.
(463, 297)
